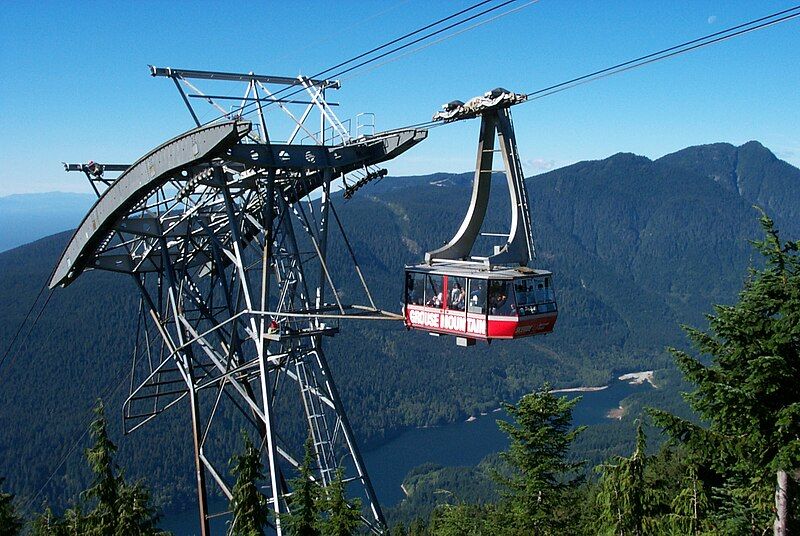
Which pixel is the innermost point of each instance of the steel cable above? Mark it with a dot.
(688, 46)
(25, 321)
(669, 52)
(445, 38)
(250, 109)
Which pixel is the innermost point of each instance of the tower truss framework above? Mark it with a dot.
(218, 231)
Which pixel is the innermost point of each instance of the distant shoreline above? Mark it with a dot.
(638, 378)
(580, 389)
(616, 413)
(633, 378)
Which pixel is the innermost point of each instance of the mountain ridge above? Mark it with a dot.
(637, 246)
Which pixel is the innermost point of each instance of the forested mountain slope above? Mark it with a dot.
(752, 171)
(637, 247)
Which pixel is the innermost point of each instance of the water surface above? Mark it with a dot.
(461, 443)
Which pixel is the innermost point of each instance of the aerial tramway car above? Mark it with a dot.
(480, 304)
(484, 298)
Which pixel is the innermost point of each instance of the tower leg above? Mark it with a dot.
(200, 473)
(245, 331)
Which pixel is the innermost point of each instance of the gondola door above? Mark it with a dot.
(455, 314)
(476, 307)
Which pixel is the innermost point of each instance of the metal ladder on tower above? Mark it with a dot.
(525, 212)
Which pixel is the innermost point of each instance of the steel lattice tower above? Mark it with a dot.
(218, 230)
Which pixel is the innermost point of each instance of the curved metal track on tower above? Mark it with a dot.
(182, 165)
(148, 173)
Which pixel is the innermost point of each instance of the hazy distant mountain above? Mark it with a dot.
(637, 247)
(28, 217)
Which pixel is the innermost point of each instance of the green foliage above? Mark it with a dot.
(658, 494)
(343, 516)
(47, 524)
(10, 522)
(748, 393)
(135, 514)
(115, 508)
(623, 492)
(637, 246)
(71, 523)
(107, 483)
(249, 506)
(691, 505)
(418, 528)
(462, 520)
(636, 495)
(429, 486)
(303, 518)
(535, 492)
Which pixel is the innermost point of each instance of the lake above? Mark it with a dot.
(461, 443)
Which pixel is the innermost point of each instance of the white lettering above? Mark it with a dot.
(453, 322)
(476, 326)
(416, 316)
(449, 322)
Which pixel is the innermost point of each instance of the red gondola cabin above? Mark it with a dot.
(474, 303)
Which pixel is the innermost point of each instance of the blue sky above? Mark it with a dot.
(76, 86)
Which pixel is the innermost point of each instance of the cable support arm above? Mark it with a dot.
(169, 72)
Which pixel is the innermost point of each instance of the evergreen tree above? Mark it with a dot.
(119, 509)
(748, 393)
(73, 523)
(135, 515)
(10, 522)
(691, 505)
(303, 518)
(398, 530)
(537, 494)
(106, 484)
(46, 524)
(344, 517)
(418, 527)
(249, 506)
(462, 520)
(623, 492)
(76, 523)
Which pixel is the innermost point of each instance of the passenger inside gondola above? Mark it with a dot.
(434, 296)
(500, 301)
(534, 295)
(457, 294)
(477, 296)
(415, 288)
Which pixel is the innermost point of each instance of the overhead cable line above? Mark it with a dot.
(110, 392)
(250, 106)
(688, 46)
(418, 40)
(332, 37)
(25, 321)
(445, 38)
(723, 35)
(401, 38)
(424, 37)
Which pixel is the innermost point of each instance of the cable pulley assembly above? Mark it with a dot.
(372, 175)
(491, 100)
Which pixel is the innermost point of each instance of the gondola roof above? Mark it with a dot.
(476, 270)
